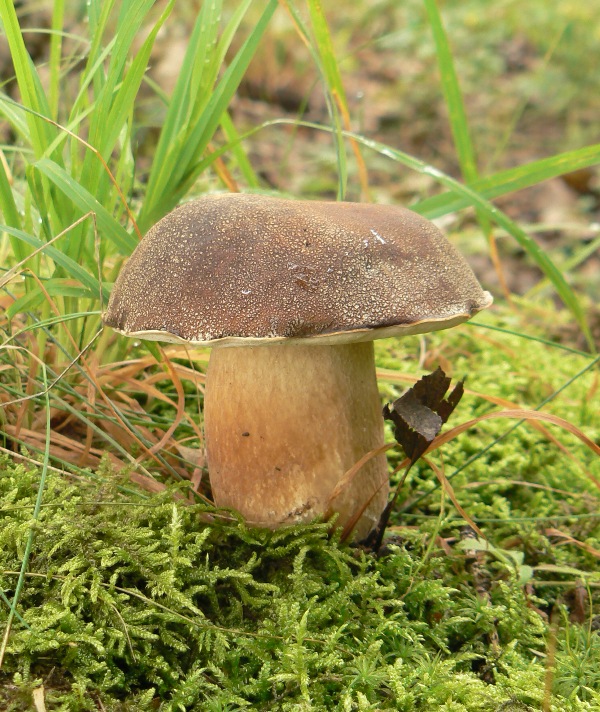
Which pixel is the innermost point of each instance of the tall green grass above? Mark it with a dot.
(66, 142)
(74, 205)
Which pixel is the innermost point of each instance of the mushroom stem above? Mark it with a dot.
(283, 424)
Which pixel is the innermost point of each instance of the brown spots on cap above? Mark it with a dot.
(258, 267)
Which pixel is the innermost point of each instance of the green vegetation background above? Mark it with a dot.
(114, 599)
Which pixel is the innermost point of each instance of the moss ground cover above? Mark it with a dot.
(137, 602)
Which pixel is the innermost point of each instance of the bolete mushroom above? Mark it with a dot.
(290, 295)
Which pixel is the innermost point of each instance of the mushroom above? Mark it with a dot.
(290, 295)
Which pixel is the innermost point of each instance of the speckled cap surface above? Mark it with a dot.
(239, 269)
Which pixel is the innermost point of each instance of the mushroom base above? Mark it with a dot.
(283, 424)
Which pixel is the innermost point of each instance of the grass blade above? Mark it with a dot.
(237, 149)
(58, 287)
(169, 186)
(13, 112)
(511, 180)
(8, 207)
(335, 89)
(124, 98)
(34, 517)
(460, 126)
(183, 99)
(452, 95)
(60, 258)
(28, 80)
(54, 60)
(86, 202)
(116, 97)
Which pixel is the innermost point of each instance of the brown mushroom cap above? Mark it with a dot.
(239, 269)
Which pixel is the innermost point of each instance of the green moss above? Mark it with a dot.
(521, 372)
(142, 603)
(137, 602)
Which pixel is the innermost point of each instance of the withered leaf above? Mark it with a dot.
(419, 414)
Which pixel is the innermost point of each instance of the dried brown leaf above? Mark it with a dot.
(419, 414)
